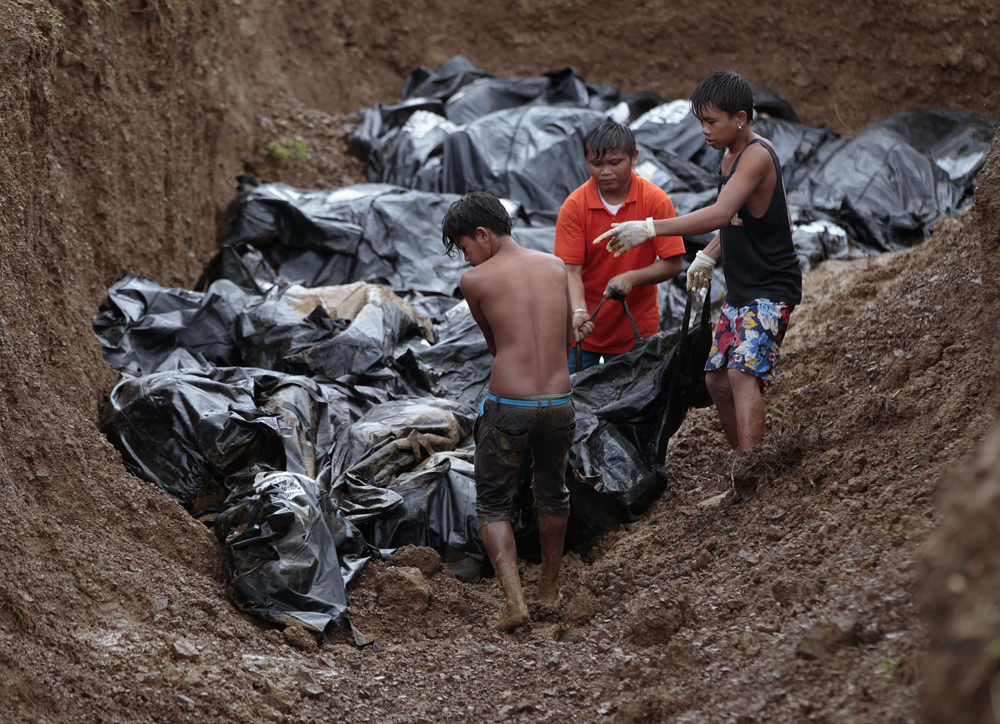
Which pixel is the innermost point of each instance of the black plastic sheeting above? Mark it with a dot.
(316, 394)
(460, 128)
(292, 553)
(891, 183)
(376, 458)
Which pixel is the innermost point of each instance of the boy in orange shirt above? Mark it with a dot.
(614, 194)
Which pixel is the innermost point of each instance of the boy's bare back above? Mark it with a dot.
(520, 298)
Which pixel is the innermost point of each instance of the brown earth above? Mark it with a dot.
(123, 125)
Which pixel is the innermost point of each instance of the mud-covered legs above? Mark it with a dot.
(552, 532)
(499, 541)
(741, 407)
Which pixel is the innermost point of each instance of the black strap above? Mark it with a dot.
(618, 297)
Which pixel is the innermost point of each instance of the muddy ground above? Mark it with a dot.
(798, 595)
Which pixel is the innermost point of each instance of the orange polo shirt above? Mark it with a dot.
(582, 218)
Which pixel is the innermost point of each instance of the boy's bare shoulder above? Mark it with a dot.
(542, 257)
(469, 281)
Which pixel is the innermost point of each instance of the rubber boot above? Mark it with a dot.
(498, 538)
(552, 534)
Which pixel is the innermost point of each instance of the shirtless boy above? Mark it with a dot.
(755, 243)
(520, 299)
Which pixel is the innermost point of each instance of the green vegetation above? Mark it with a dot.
(888, 669)
(285, 150)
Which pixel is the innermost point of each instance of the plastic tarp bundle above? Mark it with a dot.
(378, 457)
(292, 553)
(373, 232)
(889, 184)
(460, 129)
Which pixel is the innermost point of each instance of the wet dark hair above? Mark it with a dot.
(476, 208)
(610, 136)
(726, 91)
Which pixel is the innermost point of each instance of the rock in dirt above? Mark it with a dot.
(298, 638)
(704, 558)
(827, 636)
(582, 608)
(786, 590)
(427, 560)
(185, 650)
(403, 589)
(311, 690)
(810, 650)
(714, 502)
(506, 712)
(187, 704)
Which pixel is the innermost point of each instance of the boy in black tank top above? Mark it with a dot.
(755, 245)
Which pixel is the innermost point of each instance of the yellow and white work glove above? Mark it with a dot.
(627, 235)
(700, 272)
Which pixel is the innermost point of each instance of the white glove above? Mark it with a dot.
(627, 235)
(700, 272)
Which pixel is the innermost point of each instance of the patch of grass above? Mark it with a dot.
(887, 531)
(285, 150)
(11, 604)
(993, 649)
(874, 411)
(889, 670)
(97, 5)
(764, 464)
(41, 36)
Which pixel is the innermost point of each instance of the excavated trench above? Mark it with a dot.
(124, 124)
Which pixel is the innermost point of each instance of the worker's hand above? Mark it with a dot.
(621, 284)
(700, 272)
(582, 326)
(627, 235)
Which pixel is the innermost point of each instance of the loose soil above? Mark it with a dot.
(781, 586)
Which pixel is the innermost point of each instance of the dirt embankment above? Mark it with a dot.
(123, 124)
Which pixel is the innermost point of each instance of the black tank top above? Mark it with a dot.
(758, 257)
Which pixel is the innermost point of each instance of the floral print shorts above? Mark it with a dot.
(748, 338)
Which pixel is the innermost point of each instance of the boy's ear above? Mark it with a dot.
(482, 234)
(741, 118)
(635, 157)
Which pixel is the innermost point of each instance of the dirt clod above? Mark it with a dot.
(403, 590)
(299, 638)
(427, 560)
(185, 650)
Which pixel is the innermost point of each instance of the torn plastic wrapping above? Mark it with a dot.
(395, 436)
(328, 331)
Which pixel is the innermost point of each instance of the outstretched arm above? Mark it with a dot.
(472, 297)
(753, 167)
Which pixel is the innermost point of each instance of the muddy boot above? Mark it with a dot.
(498, 538)
(552, 532)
